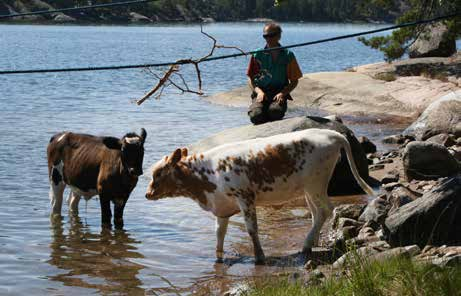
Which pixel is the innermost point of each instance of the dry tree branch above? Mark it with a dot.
(161, 82)
(174, 69)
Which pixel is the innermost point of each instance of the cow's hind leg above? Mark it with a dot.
(221, 229)
(314, 213)
(324, 208)
(248, 209)
(57, 187)
(74, 200)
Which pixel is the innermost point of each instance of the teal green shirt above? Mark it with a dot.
(273, 75)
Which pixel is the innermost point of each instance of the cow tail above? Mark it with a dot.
(350, 159)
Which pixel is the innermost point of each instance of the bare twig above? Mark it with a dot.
(159, 84)
(174, 69)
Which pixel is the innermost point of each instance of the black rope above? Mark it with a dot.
(76, 8)
(231, 55)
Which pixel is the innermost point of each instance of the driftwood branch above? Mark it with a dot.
(174, 69)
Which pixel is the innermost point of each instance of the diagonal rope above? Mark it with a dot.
(408, 24)
(125, 3)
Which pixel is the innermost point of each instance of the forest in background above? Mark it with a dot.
(220, 10)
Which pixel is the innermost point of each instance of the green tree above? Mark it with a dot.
(397, 43)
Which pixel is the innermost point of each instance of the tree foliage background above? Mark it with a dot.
(396, 44)
(230, 10)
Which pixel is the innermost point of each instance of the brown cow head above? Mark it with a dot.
(164, 176)
(131, 147)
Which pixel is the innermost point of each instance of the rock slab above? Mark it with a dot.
(434, 41)
(434, 219)
(442, 116)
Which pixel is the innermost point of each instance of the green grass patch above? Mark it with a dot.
(398, 276)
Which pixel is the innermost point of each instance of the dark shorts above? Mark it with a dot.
(269, 110)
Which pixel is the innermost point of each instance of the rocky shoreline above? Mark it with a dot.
(181, 11)
(396, 92)
(416, 212)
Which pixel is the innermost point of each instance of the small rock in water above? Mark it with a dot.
(389, 178)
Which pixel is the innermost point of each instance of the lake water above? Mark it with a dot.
(167, 247)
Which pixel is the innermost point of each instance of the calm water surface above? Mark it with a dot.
(167, 247)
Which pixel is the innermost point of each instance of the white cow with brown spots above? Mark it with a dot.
(242, 175)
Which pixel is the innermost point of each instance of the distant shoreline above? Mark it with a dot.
(147, 24)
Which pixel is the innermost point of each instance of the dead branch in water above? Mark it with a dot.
(174, 69)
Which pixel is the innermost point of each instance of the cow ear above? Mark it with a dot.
(143, 135)
(184, 152)
(112, 143)
(175, 157)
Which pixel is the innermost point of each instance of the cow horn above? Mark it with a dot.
(175, 157)
(143, 135)
(184, 152)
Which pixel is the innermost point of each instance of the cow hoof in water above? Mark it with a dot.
(261, 261)
(56, 217)
(118, 225)
(106, 226)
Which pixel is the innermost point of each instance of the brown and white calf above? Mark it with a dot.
(239, 176)
(92, 165)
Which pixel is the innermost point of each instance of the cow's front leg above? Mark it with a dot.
(249, 213)
(74, 200)
(119, 206)
(221, 229)
(106, 214)
(57, 187)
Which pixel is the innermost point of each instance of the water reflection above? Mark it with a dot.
(96, 261)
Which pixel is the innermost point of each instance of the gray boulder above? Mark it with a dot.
(342, 181)
(434, 41)
(350, 211)
(443, 139)
(428, 161)
(442, 116)
(434, 219)
(376, 210)
(139, 18)
(63, 18)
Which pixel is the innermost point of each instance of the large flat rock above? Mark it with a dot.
(359, 92)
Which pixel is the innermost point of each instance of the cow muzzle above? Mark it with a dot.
(150, 195)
